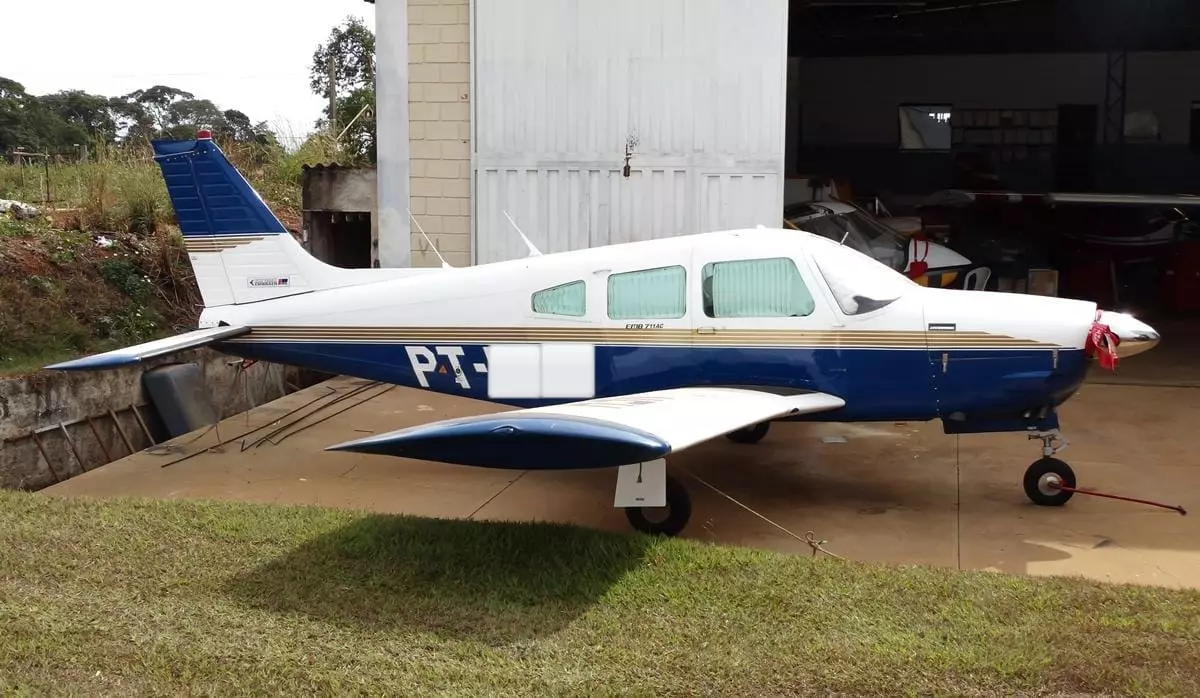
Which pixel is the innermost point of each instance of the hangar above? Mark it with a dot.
(602, 121)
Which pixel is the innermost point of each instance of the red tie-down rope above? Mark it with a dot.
(1059, 486)
(1102, 343)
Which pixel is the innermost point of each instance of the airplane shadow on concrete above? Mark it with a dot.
(494, 583)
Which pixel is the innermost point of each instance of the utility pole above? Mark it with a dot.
(332, 94)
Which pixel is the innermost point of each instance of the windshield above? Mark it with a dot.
(859, 283)
(860, 231)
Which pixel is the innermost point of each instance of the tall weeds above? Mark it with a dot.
(120, 189)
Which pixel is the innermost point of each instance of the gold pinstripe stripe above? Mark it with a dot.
(664, 337)
(218, 244)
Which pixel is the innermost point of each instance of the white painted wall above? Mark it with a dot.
(559, 88)
(854, 100)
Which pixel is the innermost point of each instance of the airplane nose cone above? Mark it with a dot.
(1136, 336)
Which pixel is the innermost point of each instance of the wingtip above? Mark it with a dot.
(91, 363)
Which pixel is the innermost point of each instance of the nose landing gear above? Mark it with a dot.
(1049, 482)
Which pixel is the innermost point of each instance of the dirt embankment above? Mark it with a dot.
(65, 292)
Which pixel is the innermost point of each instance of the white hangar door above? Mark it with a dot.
(693, 89)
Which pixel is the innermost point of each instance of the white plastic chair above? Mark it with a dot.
(977, 279)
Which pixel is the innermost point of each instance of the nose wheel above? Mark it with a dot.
(1045, 479)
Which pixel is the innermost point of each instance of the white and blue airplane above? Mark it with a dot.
(619, 356)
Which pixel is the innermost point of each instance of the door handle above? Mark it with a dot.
(706, 330)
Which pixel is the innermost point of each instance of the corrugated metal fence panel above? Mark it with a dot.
(695, 88)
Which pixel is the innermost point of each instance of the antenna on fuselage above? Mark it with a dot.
(533, 251)
(445, 264)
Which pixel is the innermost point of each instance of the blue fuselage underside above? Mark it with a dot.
(977, 389)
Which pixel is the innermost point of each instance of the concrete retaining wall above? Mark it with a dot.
(40, 403)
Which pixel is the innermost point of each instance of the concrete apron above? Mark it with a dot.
(897, 494)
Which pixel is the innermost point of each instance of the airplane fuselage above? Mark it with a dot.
(664, 314)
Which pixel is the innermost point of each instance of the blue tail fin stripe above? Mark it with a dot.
(210, 197)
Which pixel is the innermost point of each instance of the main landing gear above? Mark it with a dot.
(749, 435)
(673, 518)
(1045, 478)
(664, 521)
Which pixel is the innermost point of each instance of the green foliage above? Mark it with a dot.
(351, 51)
(125, 276)
(72, 123)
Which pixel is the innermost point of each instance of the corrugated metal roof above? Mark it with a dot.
(333, 166)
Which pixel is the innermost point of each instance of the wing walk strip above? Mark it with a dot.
(609, 336)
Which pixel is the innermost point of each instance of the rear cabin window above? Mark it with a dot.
(565, 299)
(755, 288)
(648, 294)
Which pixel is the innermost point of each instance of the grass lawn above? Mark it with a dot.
(218, 598)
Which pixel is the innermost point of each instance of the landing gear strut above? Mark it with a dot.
(749, 435)
(666, 521)
(1045, 476)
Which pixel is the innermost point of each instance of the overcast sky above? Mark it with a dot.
(251, 55)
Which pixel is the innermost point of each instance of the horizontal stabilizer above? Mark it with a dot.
(140, 352)
(604, 432)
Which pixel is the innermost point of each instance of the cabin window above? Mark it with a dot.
(648, 294)
(565, 299)
(755, 288)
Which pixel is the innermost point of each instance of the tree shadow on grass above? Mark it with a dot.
(490, 582)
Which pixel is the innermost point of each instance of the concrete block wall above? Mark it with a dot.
(440, 122)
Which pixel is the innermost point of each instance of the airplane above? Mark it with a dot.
(622, 355)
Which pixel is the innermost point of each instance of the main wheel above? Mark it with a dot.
(749, 435)
(664, 521)
(1041, 477)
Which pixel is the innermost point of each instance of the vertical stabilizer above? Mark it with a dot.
(239, 250)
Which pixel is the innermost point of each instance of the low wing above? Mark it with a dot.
(603, 432)
(140, 352)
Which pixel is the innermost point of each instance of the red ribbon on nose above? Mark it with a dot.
(1102, 343)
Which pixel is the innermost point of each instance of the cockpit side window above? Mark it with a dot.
(769, 287)
(565, 299)
(859, 283)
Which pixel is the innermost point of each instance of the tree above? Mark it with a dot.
(350, 51)
(157, 103)
(86, 114)
(60, 123)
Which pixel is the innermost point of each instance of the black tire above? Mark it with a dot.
(749, 435)
(1034, 482)
(678, 513)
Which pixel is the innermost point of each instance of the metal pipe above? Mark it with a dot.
(71, 443)
(92, 425)
(121, 431)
